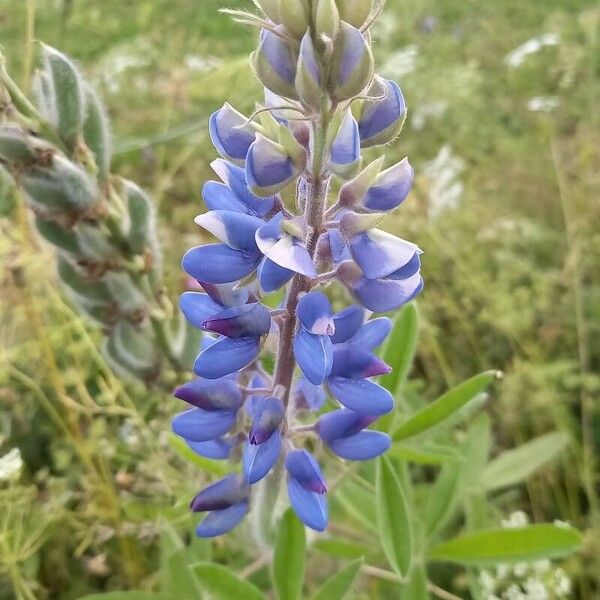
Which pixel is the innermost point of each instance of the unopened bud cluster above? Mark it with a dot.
(323, 105)
(58, 151)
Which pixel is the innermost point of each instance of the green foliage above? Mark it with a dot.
(222, 584)
(289, 557)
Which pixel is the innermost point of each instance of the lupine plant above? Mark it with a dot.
(285, 385)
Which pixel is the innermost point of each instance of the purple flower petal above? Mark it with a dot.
(379, 253)
(345, 149)
(240, 321)
(308, 395)
(271, 276)
(390, 188)
(259, 459)
(268, 167)
(270, 233)
(347, 323)
(235, 229)
(226, 294)
(314, 354)
(291, 254)
(361, 395)
(275, 64)
(210, 394)
(379, 116)
(354, 362)
(217, 449)
(302, 466)
(219, 522)
(199, 425)
(310, 507)
(226, 356)
(365, 445)
(373, 333)
(218, 263)
(253, 402)
(235, 178)
(342, 423)
(268, 415)
(198, 307)
(220, 495)
(315, 313)
(230, 132)
(337, 247)
(382, 295)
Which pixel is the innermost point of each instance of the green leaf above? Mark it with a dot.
(400, 347)
(341, 548)
(425, 454)
(222, 583)
(514, 466)
(214, 467)
(445, 406)
(289, 557)
(534, 542)
(338, 585)
(132, 595)
(442, 498)
(393, 520)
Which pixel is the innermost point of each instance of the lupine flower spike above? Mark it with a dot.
(323, 104)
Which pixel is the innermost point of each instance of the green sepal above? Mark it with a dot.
(326, 19)
(295, 16)
(15, 146)
(355, 12)
(96, 132)
(352, 193)
(62, 238)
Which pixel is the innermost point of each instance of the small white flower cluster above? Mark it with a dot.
(517, 57)
(10, 464)
(538, 580)
(446, 188)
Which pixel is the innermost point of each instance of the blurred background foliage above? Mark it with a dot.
(503, 132)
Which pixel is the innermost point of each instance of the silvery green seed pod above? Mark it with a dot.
(62, 238)
(355, 12)
(94, 293)
(326, 18)
(140, 228)
(61, 189)
(351, 64)
(295, 16)
(45, 98)
(125, 294)
(96, 132)
(15, 146)
(69, 100)
(95, 247)
(131, 350)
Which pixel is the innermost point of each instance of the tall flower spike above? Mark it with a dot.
(323, 105)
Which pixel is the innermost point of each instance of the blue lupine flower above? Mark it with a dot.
(313, 70)
(381, 119)
(307, 489)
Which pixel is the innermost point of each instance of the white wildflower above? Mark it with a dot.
(446, 188)
(543, 104)
(536, 590)
(542, 566)
(520, 570)
(517, 57)
(561, 524)
(514, 592)
(487, 581)
(10, 464)
(401, 63)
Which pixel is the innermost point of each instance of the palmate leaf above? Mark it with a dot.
(223, 584)
(289, 557)
(393, 517)
(445, 407)
(483, 548)
(515, 466)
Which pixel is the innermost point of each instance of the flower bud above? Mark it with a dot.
(351, 64)
(269, 168)
(93, 293)
(69, 99)
(270, 8)
(390, 187)
(140, 232)
(326, 19)
(381, 120)
(60, 237)
(231, 133)
(294, 15)
(275, 64)
(355, 12)
(352, 193)
(345, 148)
(308, 74)
(62, 188)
